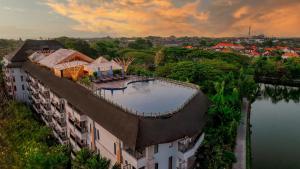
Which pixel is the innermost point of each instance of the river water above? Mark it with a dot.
(275, 119)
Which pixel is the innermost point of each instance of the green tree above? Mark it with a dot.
(140, 43)
(85, 159)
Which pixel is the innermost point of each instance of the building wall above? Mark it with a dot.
(106, 143)
(18, 85)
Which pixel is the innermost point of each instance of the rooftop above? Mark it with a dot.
(134, 130)
(144, 96)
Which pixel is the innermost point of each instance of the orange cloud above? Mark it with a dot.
(133, 17)
(241, 12)
(192, 18)
(283, 21)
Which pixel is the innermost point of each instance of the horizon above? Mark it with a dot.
(192, 18)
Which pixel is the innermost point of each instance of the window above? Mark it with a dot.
(133, 167)
(142, 168)
(156, 165)
(170, 162)
(14, 79)
(156, 148)
(115, 148)
(21, 78)
(15, 88)
(98, 135)
(23, 88)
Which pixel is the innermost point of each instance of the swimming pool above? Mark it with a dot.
(150, 97)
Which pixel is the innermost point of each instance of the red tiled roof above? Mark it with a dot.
(226, 44)
(290, 54)
(254, 53)
(269, 49)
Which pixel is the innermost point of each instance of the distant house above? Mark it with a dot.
(283, 48)
(225, 45)
(289, 55)
(254, 53)
(188, 47)
(103, 65)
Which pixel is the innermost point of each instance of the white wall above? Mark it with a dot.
(20, 94)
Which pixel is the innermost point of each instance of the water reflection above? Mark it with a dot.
(275, 128)
(279, 93)
(150, 97)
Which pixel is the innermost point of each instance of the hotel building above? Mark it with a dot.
(142, 124)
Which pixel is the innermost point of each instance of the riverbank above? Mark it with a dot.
(240, 150)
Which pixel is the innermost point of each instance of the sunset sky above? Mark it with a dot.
(97, 18)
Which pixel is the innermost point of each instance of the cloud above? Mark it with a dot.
(181, 17)
(133, 17)
(282, 21)
(241, 12)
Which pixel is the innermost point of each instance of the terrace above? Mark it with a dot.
(143, 96)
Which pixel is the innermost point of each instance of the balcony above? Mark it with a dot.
(61, 134)
(47, 109)
(36, 98)
(188, 147)
(136, 154)
(80, 126)
(60, 121)
(36, 107)
(80, 142)
(46, 94)
(48, 118)
(58, 106)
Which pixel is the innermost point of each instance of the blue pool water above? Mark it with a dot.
(154, 96)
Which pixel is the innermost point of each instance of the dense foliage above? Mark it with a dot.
(26, 143)
(283, 69)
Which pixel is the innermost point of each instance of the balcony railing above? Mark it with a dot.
(60, 121)
(79, 142)
(48, 118)
(137, 155)
(46, 94)
(58, 106)
(189, 143)
(62, 135)
(36, 98)
(80, 126)
(46, 109)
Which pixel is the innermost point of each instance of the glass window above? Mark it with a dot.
(156, 148)
(115, 148)
(98, 135)
(156, 165)
(170, 162)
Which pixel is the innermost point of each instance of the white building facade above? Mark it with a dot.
(72, 125)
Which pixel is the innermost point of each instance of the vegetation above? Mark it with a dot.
(283, 69)
(7, 46)
(86, 80)
(85, 159)
(26, 143)
(225, 77)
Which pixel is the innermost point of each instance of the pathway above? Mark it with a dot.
(240, 148)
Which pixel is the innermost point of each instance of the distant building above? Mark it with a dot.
(226, 45)
(287, 55)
